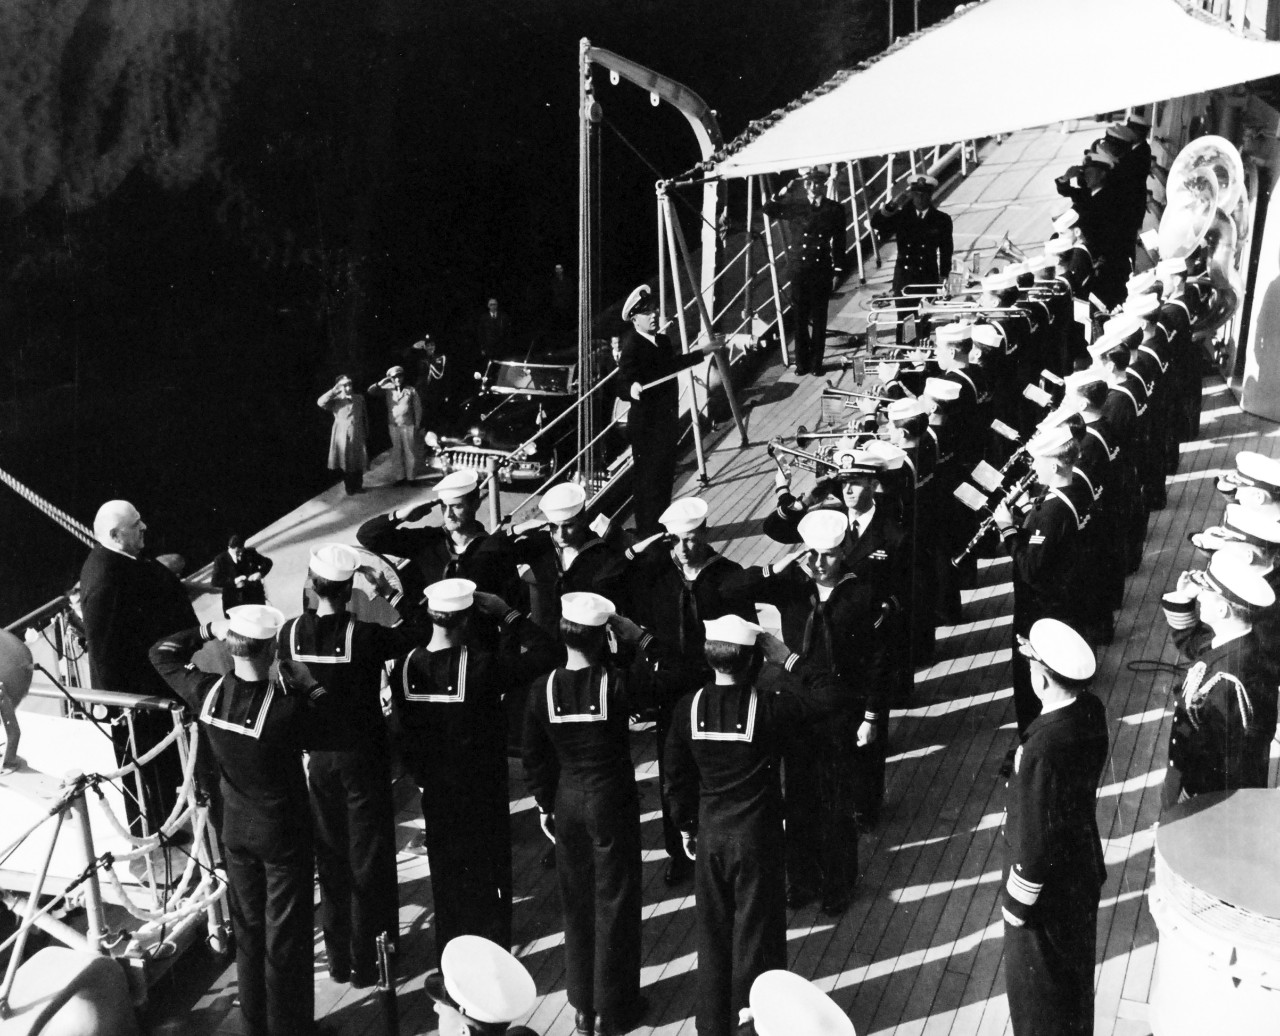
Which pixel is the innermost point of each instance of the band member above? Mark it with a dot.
(646, 357)
(254, 724)
(577, 761)
(458, 547)
(722, 772)
(480, 989)
(1047, 583)
(818, 259)
(450, 698)
(1054, 871)
(348, 769)
(951, 423)
(1225, 716)
(909, 421)
(677, 582)
(1074, 260)
(1185, 353)
(833, 620)
(923, 234)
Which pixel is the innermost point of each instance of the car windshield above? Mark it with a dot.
(535, 379)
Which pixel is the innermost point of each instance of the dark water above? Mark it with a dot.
(378, 170)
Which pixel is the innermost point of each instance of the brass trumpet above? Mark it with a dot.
(778, 450)
(830, 389)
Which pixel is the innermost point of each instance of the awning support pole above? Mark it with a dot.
(695, 410)
(708, 327)
(857, 223)
(773, 274)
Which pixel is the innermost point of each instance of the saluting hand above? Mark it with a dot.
(866, 733)
(412, 514)
(219, 628)
(774, 649)
(627, 631)
(778, 566)
(491, 604)
(648, 542)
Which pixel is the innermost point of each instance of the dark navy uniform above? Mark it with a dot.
(1047, 581)
(596, 567)
(924, 244)
(827, 774)
(1053, 871)
(256, 732)
(1224, 719)
(225, 571)
(451, 708)
(577, 761)
(653, 422)
(817, 255)
(674, 609)
(349, 775)
(722, 775)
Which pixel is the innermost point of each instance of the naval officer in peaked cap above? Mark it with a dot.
(480, 989)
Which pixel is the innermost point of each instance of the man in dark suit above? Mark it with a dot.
(818, 257)
(493, 332)
(654, 424)
(238, 572)
(1053, 867)
(923, 233)
(129, 603)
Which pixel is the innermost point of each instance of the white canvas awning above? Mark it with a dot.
(1005, 65)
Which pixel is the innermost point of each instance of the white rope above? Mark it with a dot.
(77, 529)
(146, 758)
(182, 805)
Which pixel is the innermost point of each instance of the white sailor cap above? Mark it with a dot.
(639, 301)
(1077, 381)
(1138, 283)
(999, 280)
(562, 502)
(1174, 264)
(1104, 346)
(457, 484)
(1100, 157)
(732, 629)
(953, 333)
(1253, 526)
(784, 1004)
(823, 530)
(451, 595)
(1123, 131)
(1239, 583)
(255, 621)
(586, 609)
(1052, 442)
(393, 371)
(942, 390)
(986, 335)
(1145, 305)
(1122, 325)
(1064, 221)
(1060, 649)
(684, 515)
(905, 409)
(1135, 118)
(333, 561)
(923, 182)
(484, 981)
(1056, 247)
(882, 455)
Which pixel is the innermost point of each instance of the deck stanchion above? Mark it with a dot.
(773, 274)
(78, 812)
(665, 211)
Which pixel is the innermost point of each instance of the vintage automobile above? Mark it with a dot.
(514, 401)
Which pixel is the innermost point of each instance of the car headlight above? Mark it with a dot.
(531, 449)
(433, 440)
(476, 436)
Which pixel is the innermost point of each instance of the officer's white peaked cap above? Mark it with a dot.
(451, 595)
(486, 981)
(784, 1004)
(256, 621)
(1061, 650)
(732, 629)
(684, 515)
(334, 561)
(562, 502)
(586, 609)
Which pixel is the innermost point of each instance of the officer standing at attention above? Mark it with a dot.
(923, 233)
(255, 725)
(723, 781)
(677, 581)
(1046, 583)
(653, 423)
(1053, 870)
(348, 769)
(459, 547)
(818, 260)
(450, 698)
(577, 761)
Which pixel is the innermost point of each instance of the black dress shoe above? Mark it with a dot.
(801, 371)
(798, 897)
(680, 869)
(626, 1020)
(584, 1022)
